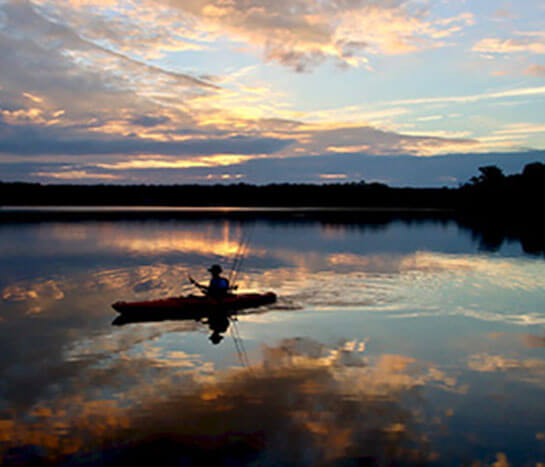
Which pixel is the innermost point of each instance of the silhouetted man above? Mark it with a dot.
(218, 286)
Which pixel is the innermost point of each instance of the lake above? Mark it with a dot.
(394, 340)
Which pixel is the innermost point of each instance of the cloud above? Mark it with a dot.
(36, 296)
(401, 170)
(333, 176)
(297, 34)
(531, 370)
(354, 138)
(534, 341)
(148, 120)
(205, 161)
(521, 128)
(503, 14)
(526, 42)
(517, 92)
(76, 175)
(56, 104)
(89, 80)
(33, 140)
(124, 26)
(536, 70)
(94, 86)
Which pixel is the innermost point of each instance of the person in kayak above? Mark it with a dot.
(218, 287)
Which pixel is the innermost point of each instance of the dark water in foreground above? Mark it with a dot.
(397, 343)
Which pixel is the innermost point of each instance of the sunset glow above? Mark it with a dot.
(160, 91)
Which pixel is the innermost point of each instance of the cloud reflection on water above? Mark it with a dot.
(531, 370)
(70, 382)
(304, 403)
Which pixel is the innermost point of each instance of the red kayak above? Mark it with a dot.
(193, 305)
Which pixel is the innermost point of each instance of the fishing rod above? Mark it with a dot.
(238, 260)
(240, 255)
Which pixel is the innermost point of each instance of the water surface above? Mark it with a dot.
(401, 341)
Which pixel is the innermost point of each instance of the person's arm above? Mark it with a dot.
(204, 288)
(229, 286)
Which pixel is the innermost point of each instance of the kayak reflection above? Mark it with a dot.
(217, 320)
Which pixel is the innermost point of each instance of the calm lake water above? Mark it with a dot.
(396, 342)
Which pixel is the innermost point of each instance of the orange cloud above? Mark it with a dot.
(521, 128)
(507, 46)
(297, 34)
(332, 176)
(536, 70)
(76, 175)
(33, 98)
(215, 160)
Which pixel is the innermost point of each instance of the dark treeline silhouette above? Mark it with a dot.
(287, 195)
(497, 207)
(491, 190)
(497, 192)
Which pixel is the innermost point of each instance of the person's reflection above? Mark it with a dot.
(218, 322)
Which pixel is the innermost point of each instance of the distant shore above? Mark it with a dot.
(489, 192)
(212, 209)
(303, 196)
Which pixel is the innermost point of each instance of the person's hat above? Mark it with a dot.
(215, 268)
(216, 338)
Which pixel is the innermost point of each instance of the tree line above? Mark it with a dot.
(490, 190)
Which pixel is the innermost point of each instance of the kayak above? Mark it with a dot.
(193, 305)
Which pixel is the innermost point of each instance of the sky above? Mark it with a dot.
(404, 92)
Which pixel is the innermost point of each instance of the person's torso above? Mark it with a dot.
(219, 283)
